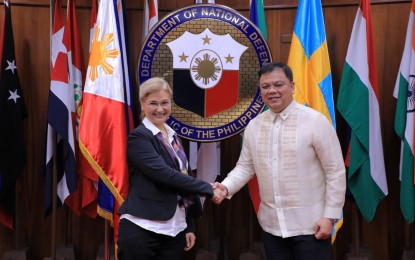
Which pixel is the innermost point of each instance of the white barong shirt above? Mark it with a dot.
(298, 161)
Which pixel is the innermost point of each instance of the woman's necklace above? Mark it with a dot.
(165, 135)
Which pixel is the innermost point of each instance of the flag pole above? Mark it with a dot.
(408, 243)
(413, 239)
(356, 230)
(54, 200)
(16, 211)
(106, 242)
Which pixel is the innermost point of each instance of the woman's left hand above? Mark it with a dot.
(190, 241)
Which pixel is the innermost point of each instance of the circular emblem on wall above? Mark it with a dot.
(210, 55)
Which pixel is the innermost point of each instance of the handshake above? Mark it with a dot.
(219, 192)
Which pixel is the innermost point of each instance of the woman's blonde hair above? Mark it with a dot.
(153, 85)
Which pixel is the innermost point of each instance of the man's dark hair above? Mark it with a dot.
(270, 67)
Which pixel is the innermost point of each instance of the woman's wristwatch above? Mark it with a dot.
(333, 220)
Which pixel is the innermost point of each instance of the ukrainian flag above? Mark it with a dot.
(309, 60)
(310, 63)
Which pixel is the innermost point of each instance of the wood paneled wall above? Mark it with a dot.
(233, 223)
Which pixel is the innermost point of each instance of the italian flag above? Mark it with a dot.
(404, 119)
(358, 104)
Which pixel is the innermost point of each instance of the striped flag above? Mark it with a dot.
(404, 119)
(61, 121)
(151, 16)
(359, 105)
(83, 200)
(89, 184)
(103, 132)
(12, 113)
(257, 16)
(310, 63)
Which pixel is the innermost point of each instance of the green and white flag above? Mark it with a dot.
(358, 104)
(404, 119)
